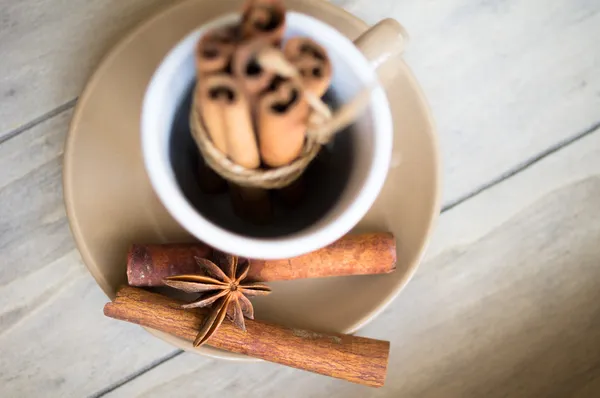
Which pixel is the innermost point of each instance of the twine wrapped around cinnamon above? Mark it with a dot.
(257, 178)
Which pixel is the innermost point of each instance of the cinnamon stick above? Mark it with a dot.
(282, 121)
(214, 50)
(312, 63)
(245, 67)
(356, 359)
(361, 254)
(226, 113)
(265, 19)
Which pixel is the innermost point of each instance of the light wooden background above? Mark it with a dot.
(507, 301)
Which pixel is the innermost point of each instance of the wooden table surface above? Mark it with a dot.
(507, 300)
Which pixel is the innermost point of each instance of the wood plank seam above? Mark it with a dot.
(112, 387)
(39, 120)
(524, 165)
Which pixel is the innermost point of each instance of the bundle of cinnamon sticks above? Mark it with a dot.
(254, 97)
(255, 100)
(356, 359)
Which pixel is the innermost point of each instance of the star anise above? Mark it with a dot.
(221, 289)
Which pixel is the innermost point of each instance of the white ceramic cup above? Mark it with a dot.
(370, 137)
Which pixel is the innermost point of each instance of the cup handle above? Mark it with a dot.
(381, 43)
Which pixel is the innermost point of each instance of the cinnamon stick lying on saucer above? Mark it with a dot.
(355, 254)
(356, 359)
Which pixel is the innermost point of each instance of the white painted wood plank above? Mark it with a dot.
(33, 227)
(49, 49)
(54, 338)
(513, 309)
(506, 79)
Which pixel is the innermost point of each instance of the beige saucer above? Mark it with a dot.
(110, 202)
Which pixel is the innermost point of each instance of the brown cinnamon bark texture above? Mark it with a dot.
(264, 19)
(283, 109)
(356, 359)
(360, 254)
(214, 50)
(312, 63)
(226, 113)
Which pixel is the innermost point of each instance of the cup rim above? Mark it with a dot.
(160, 174)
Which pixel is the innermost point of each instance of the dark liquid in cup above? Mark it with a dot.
(324, 181)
